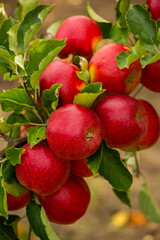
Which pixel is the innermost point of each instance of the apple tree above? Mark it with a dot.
(73, 113)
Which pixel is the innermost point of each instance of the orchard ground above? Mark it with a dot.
(97, 224)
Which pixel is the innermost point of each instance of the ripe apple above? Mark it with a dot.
(153, 130)
(80, 168)
(15, 203)
(74, 132)
(103, 68)
(82, 33)
(69, 203)
(41, 170)
(24, 129)
(124, 120)
(150, 76)
(64, 73)
(154, 8)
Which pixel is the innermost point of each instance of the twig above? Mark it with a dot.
(32, 100)
(5, 137)
(19, 142)
(29, 233)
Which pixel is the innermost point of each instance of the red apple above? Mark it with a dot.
(69, 203)
(124, 120)
(15, 203)
(103, 68)
(150, 76)
(74, 132)
(154, 8)
(64, 73)
(41, 170)
(24, 129)
(80, 168)
(153, 130)
(82, 33)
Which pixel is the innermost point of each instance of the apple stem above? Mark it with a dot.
(137, 165)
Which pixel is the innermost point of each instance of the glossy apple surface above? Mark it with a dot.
(80, 168)
(103, 68)
(69, 203)
(124, 120)
(15, 203)
(154, 8)
(64, 73)
(82, 33)
(74, 132)
(153, 130)
(150, 76)
(41, 170)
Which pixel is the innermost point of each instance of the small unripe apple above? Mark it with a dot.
(41, 170)
(74, 132)
(154, 8)
(150, 76)
(69, 203)
(103, 68)
(18, 202)
(82, 33)
(153, 130)
(80, 168)
(124, 120)
(64, 73)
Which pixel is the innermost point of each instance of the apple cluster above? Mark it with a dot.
(55, 169)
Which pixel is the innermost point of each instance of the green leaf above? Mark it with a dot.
(83, 63)
(141, 25)
(94, 160)
(89, 94)
(40, 57)
(39, 222)
(31, 24)
(6, 26)
(50, 97)
(36, 135)
(15, 188)
(52, 29)
(15, 100)
(121, 10)
(7, 227)
(147, 204)
(124, 59)
(5, 63)
(3, 196)
(8, 172)
(118, 34)
(3, 14)
(124, 197)
(23, 7)
(148, 59)
(12, 38)
(17, 119)
(32, 117)
(104, 25)
(113, 170)
(14, 155)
